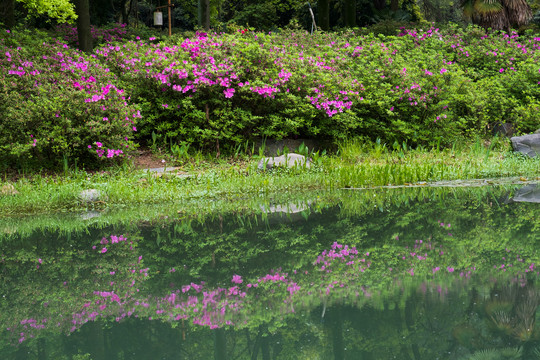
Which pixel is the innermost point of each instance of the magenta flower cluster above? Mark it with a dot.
(116, 33)
(81, 99)
(110, 152)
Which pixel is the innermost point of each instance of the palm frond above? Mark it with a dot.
(498, 15)
(497, 354)
(496, 21)
(483, 7)
(468, 8)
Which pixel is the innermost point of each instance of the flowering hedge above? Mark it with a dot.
(423, 87)
(58, 104)
(69, 33)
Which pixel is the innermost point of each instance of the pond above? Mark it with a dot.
(408, 273)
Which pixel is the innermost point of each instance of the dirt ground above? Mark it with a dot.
(145, 159)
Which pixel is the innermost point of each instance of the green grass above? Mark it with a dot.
(246, 209)
(375, 164)
(355, 165)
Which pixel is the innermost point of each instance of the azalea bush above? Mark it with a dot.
(68, 32)
(59, 105)
(110, 33)
(421, 87)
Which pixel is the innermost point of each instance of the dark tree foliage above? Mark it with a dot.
(7, 13)
(260, 15)
(103, 12)
(379, 4)
(265, 15)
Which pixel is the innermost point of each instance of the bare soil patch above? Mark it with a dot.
(145, 159)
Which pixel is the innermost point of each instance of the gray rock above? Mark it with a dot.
(527, 144)
(529, 193)
(90, 214)
(92, 195)
(170, 171)
(506, 129)
(537, 131)
(272, 147)
(288, 160)
(161, 170)
(8, 189)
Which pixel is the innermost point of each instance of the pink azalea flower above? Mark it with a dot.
(237, 279)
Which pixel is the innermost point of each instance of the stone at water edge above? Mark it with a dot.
(527, 144)
(92, 195)
(162, 171)
(289, 160)
(273, 147)
(89, 215)
(8, 189)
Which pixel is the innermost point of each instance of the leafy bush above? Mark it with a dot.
(59, 104)
(423, 87)
(69, 33)
(115, 32)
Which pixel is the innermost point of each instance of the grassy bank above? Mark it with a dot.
(354, 165)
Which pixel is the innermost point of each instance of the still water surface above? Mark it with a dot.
(440, 273)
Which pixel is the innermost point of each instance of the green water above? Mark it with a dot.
(444, 273)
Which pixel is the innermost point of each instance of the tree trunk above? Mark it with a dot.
(220, 344)
(131, 10)
(409, 321)
(124, 12)
(97, 339)
(204, 14)
(83, 25)
(379, 4)
(207, 15)
(323, 6)
(349, 13)
(337, 333)
(41, 349)
(265, 348)
(7, 10)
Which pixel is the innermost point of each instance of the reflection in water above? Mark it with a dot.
(421, 324)
(369, 277)
(528, 193)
